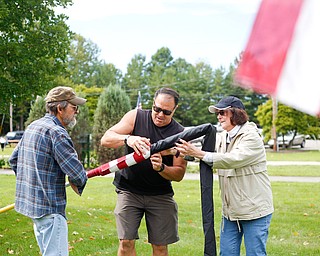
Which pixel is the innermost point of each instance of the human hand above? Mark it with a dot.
(140, 145)
(187, 149)
(74, 187)
(171, 151)
(156, 161)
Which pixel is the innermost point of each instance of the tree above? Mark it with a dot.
(105, 75)
(157, 67)
(38, 110)
(92, 95)
(112, 105)
(135, 79)
(265, 119)
(80, 133)
(83, 60)
(85, 67)
(287, 120)
(34, 43)
(192, 84)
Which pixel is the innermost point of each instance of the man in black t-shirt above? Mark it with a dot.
(145, 188)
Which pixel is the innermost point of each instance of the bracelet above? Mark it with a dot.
(126, 140)
(162, 167)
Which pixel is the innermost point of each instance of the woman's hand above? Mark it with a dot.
(188, 149)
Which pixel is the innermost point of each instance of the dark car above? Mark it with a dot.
(14, 136)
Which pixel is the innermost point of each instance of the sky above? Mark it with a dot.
(213, 31)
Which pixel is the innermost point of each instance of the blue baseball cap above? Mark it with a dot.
(225, 103)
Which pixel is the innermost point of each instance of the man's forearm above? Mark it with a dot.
(111, 139)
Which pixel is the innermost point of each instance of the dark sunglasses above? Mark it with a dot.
(164, 111)
(221, 112)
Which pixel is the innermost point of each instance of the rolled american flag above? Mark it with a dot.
(134, 158)
(118, 164)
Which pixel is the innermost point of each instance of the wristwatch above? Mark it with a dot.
(126, 140)
(162, 167)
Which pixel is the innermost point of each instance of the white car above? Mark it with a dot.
(284, 141)
(198, 141)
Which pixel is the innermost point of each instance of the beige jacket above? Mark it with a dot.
(242, 168)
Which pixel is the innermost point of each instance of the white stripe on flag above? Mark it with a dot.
(113, 166)
(298, 85)
(282, 54)
(130, 160)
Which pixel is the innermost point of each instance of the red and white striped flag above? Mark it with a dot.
(283, 53)
(118, 164)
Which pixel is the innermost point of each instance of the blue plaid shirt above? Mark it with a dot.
(41, 161)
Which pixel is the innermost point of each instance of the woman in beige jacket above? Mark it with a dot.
(245, 186)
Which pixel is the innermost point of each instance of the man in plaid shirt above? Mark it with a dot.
(41, 161)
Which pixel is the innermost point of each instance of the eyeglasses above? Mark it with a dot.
(221, 112)
(75, 108)
(164, 111)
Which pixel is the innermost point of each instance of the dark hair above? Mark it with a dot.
(239, 116)
(52, 107)
(170, 92)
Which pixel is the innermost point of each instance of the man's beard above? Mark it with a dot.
(70, 123)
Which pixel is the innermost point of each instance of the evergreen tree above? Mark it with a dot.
(135, 80)
(80, 133)
(112, 105)
(38, 110)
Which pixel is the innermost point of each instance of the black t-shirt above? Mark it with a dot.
(141, 178)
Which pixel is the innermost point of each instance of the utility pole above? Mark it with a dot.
(1, 127)
(11, 126)
(274, 130)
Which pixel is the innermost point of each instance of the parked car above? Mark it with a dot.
(198, 141)
(284, 141)
(14, 136)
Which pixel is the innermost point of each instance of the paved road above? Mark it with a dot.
(195, 176)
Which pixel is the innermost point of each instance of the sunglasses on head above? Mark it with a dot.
(164, 111)
(221, 112)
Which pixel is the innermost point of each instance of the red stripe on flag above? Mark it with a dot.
(266, 51)
(138, 158)
(99, 171)
(122, 163)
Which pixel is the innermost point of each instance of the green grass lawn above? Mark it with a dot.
(294, 155)
(285, 170)
(294, 230)
(295, 170)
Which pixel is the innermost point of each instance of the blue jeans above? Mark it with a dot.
(255, 233)
(51, 232)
